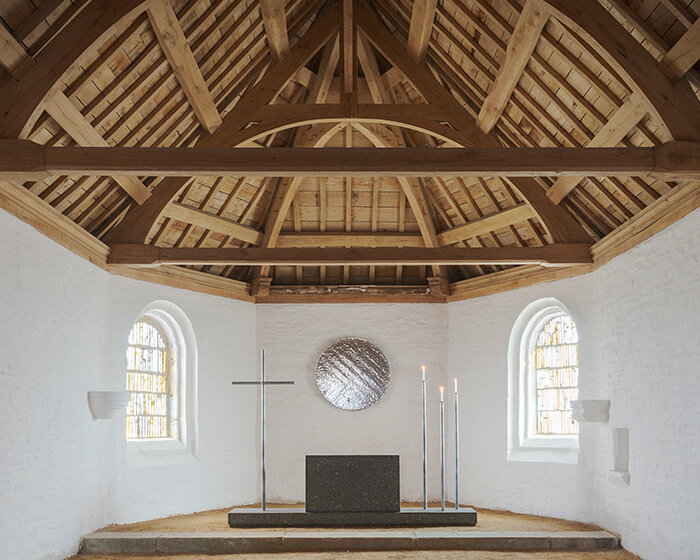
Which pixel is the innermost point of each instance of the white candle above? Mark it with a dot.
(442, 393)
(423, 368)
(455, 385)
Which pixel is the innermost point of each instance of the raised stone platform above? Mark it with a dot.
(406, 517)
(330, 540)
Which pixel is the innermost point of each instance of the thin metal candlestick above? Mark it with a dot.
(442, 449)
(263, 415)
(456, 447)
(425, 445)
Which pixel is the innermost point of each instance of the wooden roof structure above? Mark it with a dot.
(349, 150)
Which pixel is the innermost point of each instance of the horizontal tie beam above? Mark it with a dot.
(559, 254)
(23, 160)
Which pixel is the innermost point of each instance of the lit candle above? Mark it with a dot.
(423, 368)
(442, 393)
(455, 385)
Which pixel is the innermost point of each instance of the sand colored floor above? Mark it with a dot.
(487, 520)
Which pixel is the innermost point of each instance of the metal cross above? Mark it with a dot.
(263, 415)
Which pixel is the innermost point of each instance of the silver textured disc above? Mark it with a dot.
(352, 373)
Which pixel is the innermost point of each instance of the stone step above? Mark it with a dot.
(273, 541)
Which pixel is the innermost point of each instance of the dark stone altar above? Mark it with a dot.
(351, 491)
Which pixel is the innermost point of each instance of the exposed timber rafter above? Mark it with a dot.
(139, 222)
(561, 226)
(520, 48)
(275, 22)
(348, 40)
(548, 255)
(24, 160)
(174, 44)
(422, 17)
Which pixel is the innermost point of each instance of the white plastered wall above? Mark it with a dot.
(63, 329)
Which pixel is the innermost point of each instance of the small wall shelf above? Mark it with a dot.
(590, 410)
(107, 404)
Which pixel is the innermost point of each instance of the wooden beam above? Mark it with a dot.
(174, 44)
(24, 160)
(487, 224)
(684, 54)
(275, 22)
(353, 239)
(348, 35)
(422, 17)
(72, 121)
(680, 11)
(520, 48)
(13, 57)
(549, 255)
(212, 222)
(614, 131)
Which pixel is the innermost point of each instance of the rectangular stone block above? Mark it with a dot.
(352, 483)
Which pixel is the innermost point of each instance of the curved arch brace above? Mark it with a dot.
(23, 100)
(673, 105)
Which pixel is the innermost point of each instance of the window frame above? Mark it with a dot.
(524, 443)
(181, 446)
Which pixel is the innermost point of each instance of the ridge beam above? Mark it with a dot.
(558, 254)
(520, 48)
(275, 23)
(422, 18)
(174, 44)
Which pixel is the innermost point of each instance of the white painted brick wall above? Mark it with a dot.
(63, 327)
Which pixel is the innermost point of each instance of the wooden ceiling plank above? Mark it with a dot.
(422, 18)
(174, 44)
(684, 54)
(561, 254)
(619, 126)
(275, 21)
(520, 47)
(71, 120)
(350, 239)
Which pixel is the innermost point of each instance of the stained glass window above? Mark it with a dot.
(556, 369)
(147, 372)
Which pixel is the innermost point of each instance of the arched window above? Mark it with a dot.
(556, 376)
(543, 379)
(161, 374)
(151, 378)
